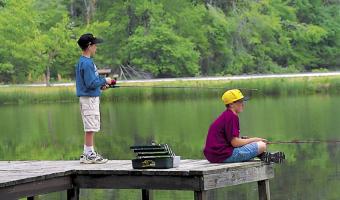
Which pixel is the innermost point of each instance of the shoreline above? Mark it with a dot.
(188, 79)
(180, 89)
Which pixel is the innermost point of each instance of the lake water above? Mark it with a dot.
(312, 171)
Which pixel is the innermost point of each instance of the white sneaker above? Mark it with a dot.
(92, 158)
(82, 158)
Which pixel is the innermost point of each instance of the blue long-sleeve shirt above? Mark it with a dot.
(88, 81)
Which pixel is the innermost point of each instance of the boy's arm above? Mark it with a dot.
(238, 142)
(91, 80)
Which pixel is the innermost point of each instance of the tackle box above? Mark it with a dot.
(154, 156)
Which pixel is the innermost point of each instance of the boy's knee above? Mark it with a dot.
(261, 147)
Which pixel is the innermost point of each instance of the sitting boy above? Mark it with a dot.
(223, 144)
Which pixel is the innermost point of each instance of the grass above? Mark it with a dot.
(264, 87)
(19, 95)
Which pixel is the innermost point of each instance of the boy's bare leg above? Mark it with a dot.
(88, 138)
(88, 142)
(262, 147)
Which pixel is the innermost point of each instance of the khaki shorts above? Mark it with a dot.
(89, 109)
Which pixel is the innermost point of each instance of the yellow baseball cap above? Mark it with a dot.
(233, 95)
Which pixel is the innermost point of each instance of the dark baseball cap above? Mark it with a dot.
(88, 39)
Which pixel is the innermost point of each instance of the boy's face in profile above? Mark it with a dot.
(238, 106)
(92, 48)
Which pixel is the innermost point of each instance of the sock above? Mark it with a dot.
(88, 149)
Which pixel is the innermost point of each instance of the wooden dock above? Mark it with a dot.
(20, 179)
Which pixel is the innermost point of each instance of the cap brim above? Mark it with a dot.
(98, 40)
(245, 98)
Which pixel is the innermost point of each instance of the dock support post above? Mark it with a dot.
(146, 194)
(264, 191)
(73, 194)
(200, 195)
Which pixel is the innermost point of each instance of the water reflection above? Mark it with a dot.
(54, 131)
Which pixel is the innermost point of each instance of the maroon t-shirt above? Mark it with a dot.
(221, 132)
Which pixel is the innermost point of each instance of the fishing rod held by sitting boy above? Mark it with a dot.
(305, 142)
(299, 141)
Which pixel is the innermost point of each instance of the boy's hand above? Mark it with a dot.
(104, 87)
(108, 80)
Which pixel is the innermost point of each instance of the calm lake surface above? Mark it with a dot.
(312, 171)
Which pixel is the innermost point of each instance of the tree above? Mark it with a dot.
(2, 3)
(58, 50)
(83, 9)
(169, 38)
(160, 51)
(40, 40)
(17, 52)
(154, 45)
(323, 14)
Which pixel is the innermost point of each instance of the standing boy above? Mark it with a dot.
(89, 85)
(223, 143)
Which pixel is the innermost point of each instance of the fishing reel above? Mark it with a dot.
(110, 85)
(108, 73)
(113, 83)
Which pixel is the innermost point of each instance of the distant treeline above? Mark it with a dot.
(169, 38)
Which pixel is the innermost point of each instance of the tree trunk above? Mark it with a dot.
(93, 7)
(48, 76)
(72, 13)
(90, 7)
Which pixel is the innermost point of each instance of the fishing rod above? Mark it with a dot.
(113, 84)
(176, 87)
(305, 142)
(107, 72)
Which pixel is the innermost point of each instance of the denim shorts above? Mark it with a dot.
(243, 153)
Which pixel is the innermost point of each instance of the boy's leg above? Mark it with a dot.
(91, 119)
(252, 150)
(243, 153)
(88, 138)
(89, 107)
(262, 147)
(88, 142)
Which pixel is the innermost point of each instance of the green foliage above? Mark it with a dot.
(18, 41)
(6, 68)
(2, 3)
(169, 38)
(59, 47)
(39, 40)
(159, 51)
